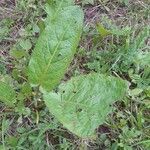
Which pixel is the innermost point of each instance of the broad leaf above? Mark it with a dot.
(56, 46)
(83, 103)
(7, 94)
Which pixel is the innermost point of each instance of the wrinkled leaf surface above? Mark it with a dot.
(83, 103)
(56, 46)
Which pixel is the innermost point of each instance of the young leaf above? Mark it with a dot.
(7, 94)
(102, 30)
(26, 44)
(83, 103)
(56, 47)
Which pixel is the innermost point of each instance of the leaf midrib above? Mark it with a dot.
(52, 57)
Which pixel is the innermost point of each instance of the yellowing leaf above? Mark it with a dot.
(102, 31)
(83, 103)
(17, 53)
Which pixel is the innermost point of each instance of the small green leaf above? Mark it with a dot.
(35, 29)
(136, 92)
(41, 25)
(5, 125)
(7, 94)
(103, 31)
(147, 92)
(12, 140)
(83, 103)
(17, 53)
(26, 44)
(15, 74)
(26, 89)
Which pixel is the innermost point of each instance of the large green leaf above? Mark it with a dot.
(7, 94)
(83, 103)
(56, 46)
